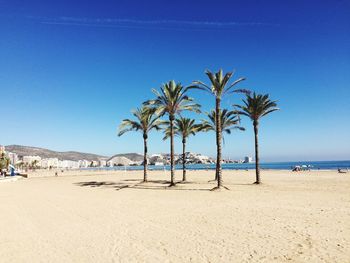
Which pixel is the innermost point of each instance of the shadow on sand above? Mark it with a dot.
(106, 184)
(150, 185)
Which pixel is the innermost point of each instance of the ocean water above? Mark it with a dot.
(315, 165)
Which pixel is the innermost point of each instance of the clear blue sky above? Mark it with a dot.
(70, 71)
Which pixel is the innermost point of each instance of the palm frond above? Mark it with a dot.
(146, 119)
(218, 83)
(229, 121)
(172, 99)
(184, 127)
(256, 106)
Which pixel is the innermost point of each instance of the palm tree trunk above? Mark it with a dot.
(145, 157)
(172, 171)
(184, 160)
(218, 143)
(257, 167)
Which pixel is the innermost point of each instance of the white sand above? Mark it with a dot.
(303, 217)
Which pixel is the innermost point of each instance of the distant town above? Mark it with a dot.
(129, 159)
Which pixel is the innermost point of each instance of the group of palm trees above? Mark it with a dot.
(172, 99)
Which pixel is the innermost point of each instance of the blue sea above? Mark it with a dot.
(315, 165)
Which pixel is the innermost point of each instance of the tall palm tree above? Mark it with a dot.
(229, 120)
(146, 120)
(255, 107)
(184, 127)
(219, 86)
(171, 100)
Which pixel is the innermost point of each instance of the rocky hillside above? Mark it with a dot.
(45, 153)
(135, 157)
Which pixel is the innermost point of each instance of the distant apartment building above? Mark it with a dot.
(2, 149)
(201, 159)
(84, 163)
(13, 158)
(95, 163)
(102, 162)
(248, 159)
(49, 163)
(65, 164)
(68, 164)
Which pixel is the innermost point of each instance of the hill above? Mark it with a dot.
(135, 157)
(45, 153)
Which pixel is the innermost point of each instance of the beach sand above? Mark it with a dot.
(111, 217)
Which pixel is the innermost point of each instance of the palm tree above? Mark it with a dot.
(146, 120)
(20, 165)
(184, 127)
(171, 100)
(4, 161)
(34, 164)
(255, 107)
(219, 87)
(229, 121)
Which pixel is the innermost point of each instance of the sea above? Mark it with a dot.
(314, 165)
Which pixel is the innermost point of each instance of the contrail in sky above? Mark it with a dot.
(136, 23)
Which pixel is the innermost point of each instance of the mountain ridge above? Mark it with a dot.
(22, 150)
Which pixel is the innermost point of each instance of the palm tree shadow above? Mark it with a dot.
(105, 184)
(148, 181)
(159, 181)
(167, 188)
(131, 180)
(95, 183)
(244, 184)
(139, 186)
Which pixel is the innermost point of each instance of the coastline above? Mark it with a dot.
(166, 173)
(314, 165)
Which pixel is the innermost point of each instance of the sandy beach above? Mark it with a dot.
(111, 217)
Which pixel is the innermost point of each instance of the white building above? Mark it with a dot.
(84, 163)
(2, 149)
(248, 159)
(197, 158)
(102, 162)
(68, 164)
(13, 158)
(95, 163)
(49, 162)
